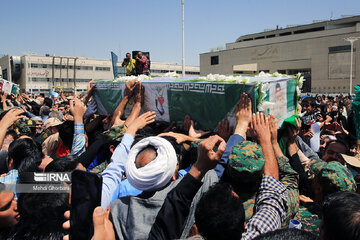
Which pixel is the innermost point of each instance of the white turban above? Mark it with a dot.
(158, 172)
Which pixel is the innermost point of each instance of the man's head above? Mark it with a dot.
(151, 164)
(330, 178)
(308, 104)
(62, 108)
(128, 55)
(220, 214)
(19, 150)
(333, 150)
(56, 114)
(44, 111)
(42, 216)
(145, 156)
(48, 102)
(245, 169)
(9, 215)
(39, 124)
(341, 217)
(140, 54)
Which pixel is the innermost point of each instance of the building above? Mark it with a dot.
(42, 73)
(318, 50)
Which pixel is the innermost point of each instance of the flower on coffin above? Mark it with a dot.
(276, 74)
(301, 81)
(265, 105)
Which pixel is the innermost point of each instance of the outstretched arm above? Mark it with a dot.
(173, 213)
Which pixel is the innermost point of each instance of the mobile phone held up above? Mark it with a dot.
(85, 197)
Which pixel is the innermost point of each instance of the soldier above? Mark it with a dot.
(329, 178)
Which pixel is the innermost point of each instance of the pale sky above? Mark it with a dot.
(92, 28)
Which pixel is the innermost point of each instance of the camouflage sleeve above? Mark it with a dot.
(290, 179)
(117, 132)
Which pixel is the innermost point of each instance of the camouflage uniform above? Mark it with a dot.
(334, 177)
(100, 168)
(45, 134)
(309, 219)
(246, 164)
(25, 127)
(116, 133)
(290, 178)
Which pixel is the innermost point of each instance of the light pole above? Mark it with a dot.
(351, 40)
(183, 39)
(29, 54)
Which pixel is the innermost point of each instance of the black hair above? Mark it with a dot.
(35, 108)
(309, 100)
(48, 102)
(67, 163)
(30, 164)
(66, 133)
(220, 214)
(42, 216)
(341, 216)
(12, 133)
(287, 233)
(21, 149)
(337, 141)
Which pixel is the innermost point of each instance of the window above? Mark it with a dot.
(285, 34)
(344, 48)
(86, 68)
(214, 60)
(260, 37)
(102, 68)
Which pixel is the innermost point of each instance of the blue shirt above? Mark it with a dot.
(114, 171)
(11, 180)
(126, 189)
(233, 140)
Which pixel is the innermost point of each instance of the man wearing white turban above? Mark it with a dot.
(151, 164)
(151, 167)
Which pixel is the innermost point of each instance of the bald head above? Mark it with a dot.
(145, 156)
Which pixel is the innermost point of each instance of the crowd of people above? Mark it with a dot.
(255, 180)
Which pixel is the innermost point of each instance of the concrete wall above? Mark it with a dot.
(303, 53)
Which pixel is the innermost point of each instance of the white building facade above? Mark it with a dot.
(43, 73)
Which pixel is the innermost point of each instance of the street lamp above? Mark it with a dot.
(351, 40)
(30, 77)
(183, 39)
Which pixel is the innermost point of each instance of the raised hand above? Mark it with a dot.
(180, 138)
(207, 159)
(140, 122)
(194, 133)
(11, 117)
(129, 87)
(138, 91)
(243, 115)
(260, 124)
(224, 130)
(103, 227)
(78, 109)
(273, 124)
